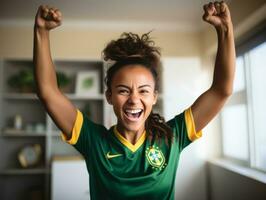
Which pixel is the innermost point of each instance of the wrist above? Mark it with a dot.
(225, 29)
(40, 31)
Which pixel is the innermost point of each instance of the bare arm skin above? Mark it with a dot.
(210, 102)
(61, 110)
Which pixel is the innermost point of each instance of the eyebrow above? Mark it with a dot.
(142, 86)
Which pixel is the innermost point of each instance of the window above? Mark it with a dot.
(257, 59)
(243, 118)
(235, 118)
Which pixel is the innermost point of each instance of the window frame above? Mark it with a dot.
(244, 45)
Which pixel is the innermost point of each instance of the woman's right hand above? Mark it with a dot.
(48, 18)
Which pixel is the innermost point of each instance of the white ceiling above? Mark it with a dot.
(177, 14)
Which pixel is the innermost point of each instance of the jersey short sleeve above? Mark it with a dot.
(83, 133)
(183, 127)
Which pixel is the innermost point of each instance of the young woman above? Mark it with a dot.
(138, 157)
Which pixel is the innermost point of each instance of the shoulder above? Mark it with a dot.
(184, 123)
(84, 128)
(176, 120)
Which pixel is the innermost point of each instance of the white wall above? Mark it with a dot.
(183, 81)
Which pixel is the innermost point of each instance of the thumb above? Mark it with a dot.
(208, 18)
(209, 12)
(205, 17)
(39, 11)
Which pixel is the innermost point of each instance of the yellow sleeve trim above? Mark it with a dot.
(192, 134)
(75, 131)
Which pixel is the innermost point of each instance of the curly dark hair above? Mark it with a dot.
(130, 48)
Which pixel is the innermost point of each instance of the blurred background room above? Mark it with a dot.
(227, 163)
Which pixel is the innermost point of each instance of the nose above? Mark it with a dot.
(134, 98)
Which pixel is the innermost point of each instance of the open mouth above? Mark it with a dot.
(133, 114)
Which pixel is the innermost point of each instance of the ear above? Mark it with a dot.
(108, 96)
(155, 97)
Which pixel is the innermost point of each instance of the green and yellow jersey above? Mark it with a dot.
(120, 170)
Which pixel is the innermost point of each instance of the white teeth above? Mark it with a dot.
(133, 111)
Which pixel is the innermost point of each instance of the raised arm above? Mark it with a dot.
(210, 102)
(61, 110)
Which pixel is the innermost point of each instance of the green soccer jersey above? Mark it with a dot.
(120, 170)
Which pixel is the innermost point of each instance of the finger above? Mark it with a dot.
(209, 11)
(45, 14)
(210, 8)
(48, 16)
(56, 17)
(52, 9)
(40, 10)
(205, 7)
(223, 6)
(208, 18)
(43, 8)
(210, 5)
(46, 8)
(217, 6)
(206, 12)
(57, 13)
(49, 13)
(205, 17)
(44, 11)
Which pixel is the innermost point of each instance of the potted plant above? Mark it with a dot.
(62, 80)
(24, 82)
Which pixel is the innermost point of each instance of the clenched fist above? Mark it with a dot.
(48, 18)
(217, 14)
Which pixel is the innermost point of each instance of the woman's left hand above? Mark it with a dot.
(217, 14)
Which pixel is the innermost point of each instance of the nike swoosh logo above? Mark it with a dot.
(109, 156)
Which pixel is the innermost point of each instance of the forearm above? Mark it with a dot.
(45, 75)
(225, 61)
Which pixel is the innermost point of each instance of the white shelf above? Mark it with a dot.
(85, 97)
(22, 133)
(33, 113)
(31, 96)
(24, 171)
(20, 96)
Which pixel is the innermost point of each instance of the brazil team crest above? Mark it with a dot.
(155, 157)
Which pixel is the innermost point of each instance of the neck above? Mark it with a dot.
(131, 136)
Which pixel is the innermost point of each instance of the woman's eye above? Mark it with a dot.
(123, 92)
(144, 91)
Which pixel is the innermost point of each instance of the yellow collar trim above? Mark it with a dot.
(125, 142)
